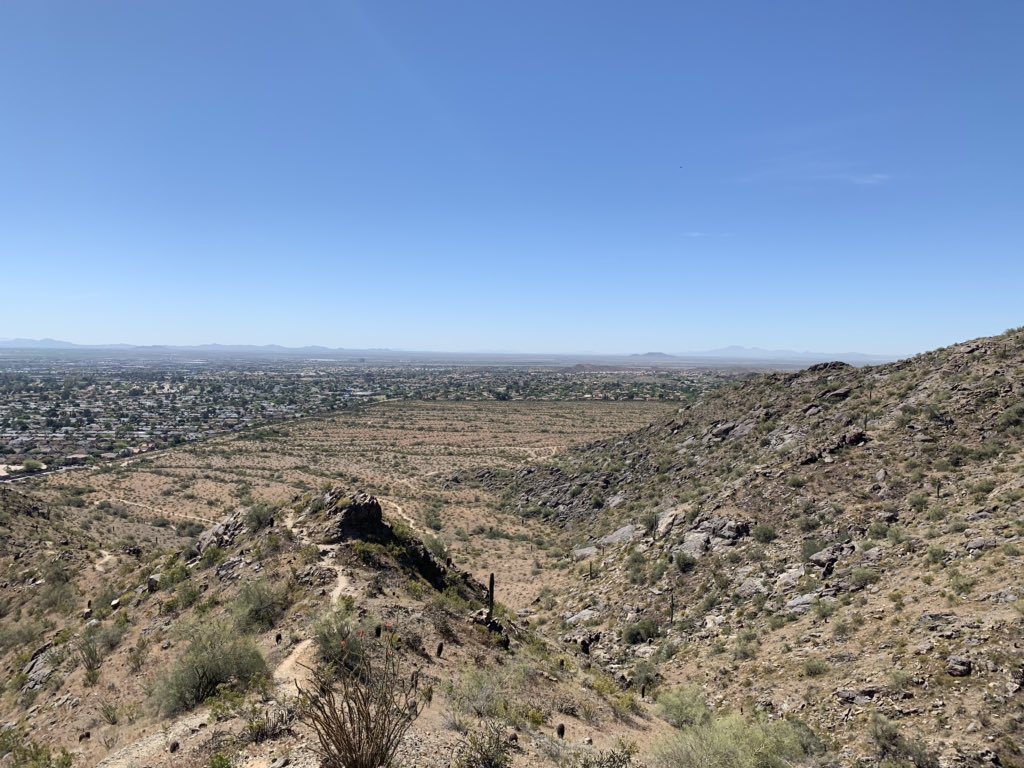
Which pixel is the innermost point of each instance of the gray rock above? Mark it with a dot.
(584, 553)
(802, 604)
(980, 543)
(825, 557)
(727, 528)
(750, 587)
(668, 519)
(349, 517)
(958, 666)
(583, 616)
(790, 578)
(625, 533)
(695, 544)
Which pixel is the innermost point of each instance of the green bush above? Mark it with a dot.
(216, 656)
(685, 562)
(811, 547)
(862, 577)
(19, 751)
(683, 707)
(815, 667)
(764, 533)
(486, 748)
(259, 516)
(896, 749)
(640, 632)
(260, 606)
(733, 742)
(340, 640)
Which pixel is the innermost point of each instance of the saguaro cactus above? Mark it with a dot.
(490, 598)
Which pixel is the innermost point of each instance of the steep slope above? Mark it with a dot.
(837, 542)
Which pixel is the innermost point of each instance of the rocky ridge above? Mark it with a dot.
(835, 542)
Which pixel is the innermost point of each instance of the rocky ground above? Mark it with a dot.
(835, 543)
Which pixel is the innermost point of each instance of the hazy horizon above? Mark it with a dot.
(732, 348)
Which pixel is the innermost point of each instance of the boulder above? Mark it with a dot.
(695, 544)
(668, 520)
(980, 543)
(727, 528)
(958, 666)
(802, 604)
(750, 587)
(349, 517)
(625, 533)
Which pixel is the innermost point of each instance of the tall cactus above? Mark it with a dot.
(490, 598)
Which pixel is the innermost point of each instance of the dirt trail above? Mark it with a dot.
(400, 511)
(105, 557)
(291, 670)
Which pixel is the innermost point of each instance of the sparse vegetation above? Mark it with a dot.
(216, 656)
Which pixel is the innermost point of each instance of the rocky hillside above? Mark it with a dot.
(842, 543)
(169, 649)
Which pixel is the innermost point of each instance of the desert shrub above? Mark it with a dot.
(645, 675)
(432, 517)
(20, 633)
(862, 577)
(683, 707)
(263, 723)
(259, 516)
(620, 756)
(960, 582)
(685, 562)
(260, 606)
(340, 640)
(91, 657)
(815, 667)
(370, 553)
(877, 530)
(137, 655)
(485, 748)
(215, 656)
(918, 501)
(897, 749)
(640, 632)
(213, 556)
(733, 742)
(1011, 419)
(436, 547)
(479, 692)
(764, 533)
(811, 547)
(19, 751)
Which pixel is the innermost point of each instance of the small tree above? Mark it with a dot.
(361, 716)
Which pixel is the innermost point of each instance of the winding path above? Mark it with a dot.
(291, 671)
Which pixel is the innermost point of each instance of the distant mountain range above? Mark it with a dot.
(735, 355)
(755, 354)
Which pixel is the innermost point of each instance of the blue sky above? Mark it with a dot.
(528, 176)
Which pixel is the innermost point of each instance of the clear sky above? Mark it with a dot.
(517, 176)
